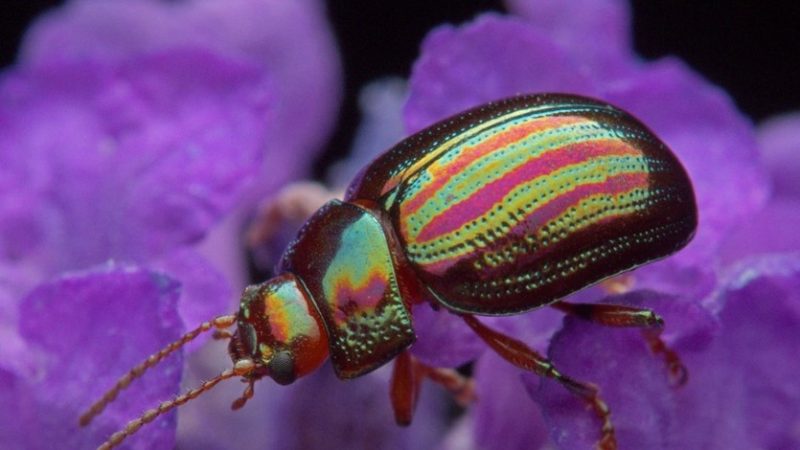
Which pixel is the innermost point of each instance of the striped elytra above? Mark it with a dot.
(517, 203)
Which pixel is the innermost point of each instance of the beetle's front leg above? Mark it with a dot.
(629, 316)
(407, 379)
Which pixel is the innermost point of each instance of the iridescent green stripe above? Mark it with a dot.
(518, 204)
(502, 160)
(405, 170)
(589, 212)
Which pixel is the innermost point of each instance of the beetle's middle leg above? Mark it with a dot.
(629, 316)
(407, 379)
(519, 354)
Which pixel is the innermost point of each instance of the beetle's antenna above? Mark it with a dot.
(241, 368)
(220, 323)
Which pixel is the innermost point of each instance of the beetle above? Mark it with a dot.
(501, 209)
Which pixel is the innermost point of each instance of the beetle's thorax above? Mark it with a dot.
(346, 259)
(280, 329)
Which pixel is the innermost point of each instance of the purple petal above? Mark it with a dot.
(504, 416)
(632, 380)
(596, 32)
(714, 395)
(749, 372)
(770, 230)
(487, 59)
(443, 339)
(460, 435)
(21, 232)
(356, 414)
(205, 292)
(759, 349)
(136, 159)
(671, 276)
(639, 397)
(210, 151)
(535, 327)
(295, 44)
(779, 139)
(316, 412)
(14, 354)
(715, 143)
(18, 408)
(92, 327)
(109, 31)
(289, 40)
(207, 423)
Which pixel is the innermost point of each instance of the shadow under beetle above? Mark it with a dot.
(501, 209)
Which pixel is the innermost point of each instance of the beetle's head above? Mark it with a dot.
(280, 330)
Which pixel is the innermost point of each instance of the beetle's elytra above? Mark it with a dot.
(501, 209)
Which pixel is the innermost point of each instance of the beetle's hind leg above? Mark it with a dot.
(407, 379)
(519, 354)
(628, 316)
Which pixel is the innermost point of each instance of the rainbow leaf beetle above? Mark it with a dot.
(504, 208)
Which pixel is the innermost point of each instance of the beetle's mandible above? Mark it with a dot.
(501, 209)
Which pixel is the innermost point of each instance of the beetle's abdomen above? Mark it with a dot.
(529, 206)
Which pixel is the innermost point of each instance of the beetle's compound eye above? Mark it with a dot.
(281, 367)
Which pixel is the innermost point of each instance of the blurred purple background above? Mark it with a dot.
(749, 50)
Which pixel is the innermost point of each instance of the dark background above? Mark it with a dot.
(752, 49)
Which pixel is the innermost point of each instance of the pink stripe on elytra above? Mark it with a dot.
(541, 216)
(468, 155)
(615, 185)
(481, 201)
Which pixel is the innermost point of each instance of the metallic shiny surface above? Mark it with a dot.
(344, 259)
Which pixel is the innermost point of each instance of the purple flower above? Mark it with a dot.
(81, 331)
(316, 412)
(771, 229)
(741, 391)
(129, 161)
(109, 161)
(128, 131)
(290, 41)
